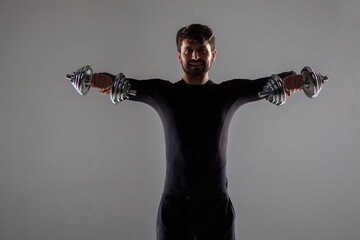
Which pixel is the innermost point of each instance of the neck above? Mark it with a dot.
(197, 80)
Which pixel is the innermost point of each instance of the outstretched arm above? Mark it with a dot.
(149, 91)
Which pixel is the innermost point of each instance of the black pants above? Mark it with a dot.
(184, 218)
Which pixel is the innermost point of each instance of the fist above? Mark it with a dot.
(293, 83)
(101, 82)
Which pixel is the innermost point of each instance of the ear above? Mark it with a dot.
(213, 55)
(179, 56)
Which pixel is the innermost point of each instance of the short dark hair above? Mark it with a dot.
(196, 33)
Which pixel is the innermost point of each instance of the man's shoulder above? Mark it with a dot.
(236, 81)
(233, 83)
(151, 81)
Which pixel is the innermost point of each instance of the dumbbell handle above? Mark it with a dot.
(69, 77)
(323, 79)
(264, 94)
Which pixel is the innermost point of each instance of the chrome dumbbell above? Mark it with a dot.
(81, 79)
(120, 89)
(313, 83)
(274, 90)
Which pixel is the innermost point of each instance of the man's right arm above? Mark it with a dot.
(150, 91)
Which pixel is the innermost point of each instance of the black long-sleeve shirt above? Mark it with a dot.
(196, 120)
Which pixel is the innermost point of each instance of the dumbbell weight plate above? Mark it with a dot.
(278, 97)
(81, 79)
(312, 84)
(117, 91)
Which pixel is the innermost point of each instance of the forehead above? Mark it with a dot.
(187, 44)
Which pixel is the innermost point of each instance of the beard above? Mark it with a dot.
(196, 71)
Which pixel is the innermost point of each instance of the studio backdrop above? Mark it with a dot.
(74, 167)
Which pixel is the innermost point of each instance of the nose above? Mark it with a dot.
(195, 55)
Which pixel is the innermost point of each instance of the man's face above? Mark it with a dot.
(196, 58)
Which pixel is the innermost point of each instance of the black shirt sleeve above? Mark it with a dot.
(245, 88)
(152, 91)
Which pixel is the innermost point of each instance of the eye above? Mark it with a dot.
(188, 51)
(203, 50)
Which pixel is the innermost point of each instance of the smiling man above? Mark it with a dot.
(196, 114)
(195, 55)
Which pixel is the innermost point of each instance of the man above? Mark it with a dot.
(196, 114)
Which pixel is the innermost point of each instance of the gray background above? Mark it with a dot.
(77, 167)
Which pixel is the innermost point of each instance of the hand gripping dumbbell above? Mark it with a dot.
(274, 90)
(120, 89)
